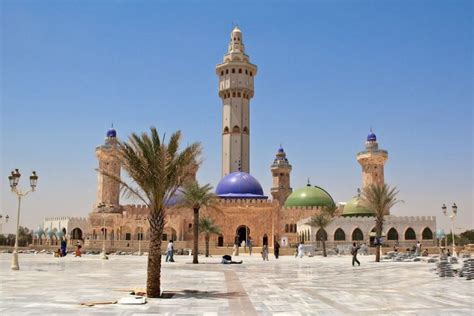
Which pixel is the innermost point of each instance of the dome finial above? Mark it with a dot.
(309, 183)
(358, 192)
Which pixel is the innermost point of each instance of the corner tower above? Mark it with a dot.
(236, 75)
(108, 190)
(281, 170)
(372, 161)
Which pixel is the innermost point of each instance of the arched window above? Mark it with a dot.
(240, 70)
(227, 71)
(233, 70)
(222, 72)
(239, 94)
(427, 234)
(410, 234)
(246, 130)
(392, 234)
(265, 240)
(357, 235)
(246, 72)
(339, 235)
(321, 235)
(236, 129)
(286, 228)
(220, 241)
(251, 74)
(233, 94)
(226, 131)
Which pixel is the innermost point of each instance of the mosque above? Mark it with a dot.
(243, 209)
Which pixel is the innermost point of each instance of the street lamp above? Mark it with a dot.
(101, 207)
(453, 214)
(14, 179)
(3, 220)
(139, 234)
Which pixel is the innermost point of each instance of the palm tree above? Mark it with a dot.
(206, 227)
(156, 171)
(195, 197)
(321, 221)
(380, 199)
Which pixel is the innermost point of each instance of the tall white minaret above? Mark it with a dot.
(236, 75)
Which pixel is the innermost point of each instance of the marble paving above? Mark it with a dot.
(288, 286)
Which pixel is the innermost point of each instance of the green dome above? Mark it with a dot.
(354, 208)
(309, 196)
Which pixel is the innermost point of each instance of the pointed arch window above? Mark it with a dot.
(392, 234)
(246, 130)
(236, 129)
(240, 70)
(339, 235)
(233, 70)
(357, 235)
(226, 130)
(410, 234)
(427, 234)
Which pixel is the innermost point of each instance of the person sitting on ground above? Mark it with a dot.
(57, 253)
(226, 259)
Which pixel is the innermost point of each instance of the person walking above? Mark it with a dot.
(354, 249)
(265, 252)
(170, 251)
(250, 245)
(236, 246)
(276, 249)
(301, 250)
(63, 247)
(418, 248)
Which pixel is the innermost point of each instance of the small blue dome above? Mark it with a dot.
(371, 137)
(111, 133)
(239, 185)
(281, 150)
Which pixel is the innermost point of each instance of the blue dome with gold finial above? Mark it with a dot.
(239, 185)
(371, 137)
(112, 132)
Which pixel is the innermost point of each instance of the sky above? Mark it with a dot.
(327, 72)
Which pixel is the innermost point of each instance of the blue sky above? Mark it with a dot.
(328, 70)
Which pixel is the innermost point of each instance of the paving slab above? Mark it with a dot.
(45, 285)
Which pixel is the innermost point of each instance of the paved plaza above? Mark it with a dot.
(288, 286)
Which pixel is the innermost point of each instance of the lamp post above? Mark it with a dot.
(140, 234)
(453, 214)
(14, 179)
(3, 220)
(101, 208)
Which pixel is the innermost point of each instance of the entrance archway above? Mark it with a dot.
(76, 233)
(243, 232)
(220, 241)
(265, 240)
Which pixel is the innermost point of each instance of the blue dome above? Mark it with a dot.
(371, 137)
(111, 133)
(281, 150)
(239, 185)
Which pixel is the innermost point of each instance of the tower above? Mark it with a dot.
(372, 161)
(236, 75)
(108, 190)
(281, 170)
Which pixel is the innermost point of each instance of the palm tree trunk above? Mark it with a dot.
(378, 234)
(153, 281)
(324, 247)
(196, 235)
(207, 244)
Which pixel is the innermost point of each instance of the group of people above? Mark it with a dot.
(276, 251)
